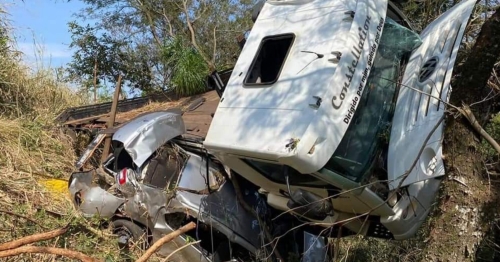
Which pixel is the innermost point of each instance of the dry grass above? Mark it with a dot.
(34, 95)
(33, 146)
(32, 150)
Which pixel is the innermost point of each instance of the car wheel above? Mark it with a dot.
(130, 234)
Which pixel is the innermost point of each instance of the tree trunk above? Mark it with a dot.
(460, 226)
(470, 82)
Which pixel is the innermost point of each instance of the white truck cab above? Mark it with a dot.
(329, 105)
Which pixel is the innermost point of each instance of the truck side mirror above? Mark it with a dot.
(218, 80)
(256, 10)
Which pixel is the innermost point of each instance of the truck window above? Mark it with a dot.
(268, 63)
(370, 127)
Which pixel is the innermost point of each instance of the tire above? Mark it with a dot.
(132, 233)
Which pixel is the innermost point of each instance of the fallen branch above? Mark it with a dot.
(467, 113)
(23, 217)
(47, 250)
(179, 249)
(165, 240)
(32, 239)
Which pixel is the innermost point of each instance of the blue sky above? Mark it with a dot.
(44, 22)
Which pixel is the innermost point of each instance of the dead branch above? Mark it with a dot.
(33, 238)
(242, 202)
(361, 187)
(99, 233)
(179, 249)
(165, 240)
(467, 113)
(170, 29)
(47, 250)
(23, 217)
(421, 92)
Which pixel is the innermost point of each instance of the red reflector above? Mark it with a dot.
(122, 177)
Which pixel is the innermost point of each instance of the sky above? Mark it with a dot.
(40, 28)
(44, 22)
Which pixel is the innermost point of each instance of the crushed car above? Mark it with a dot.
(156, 180)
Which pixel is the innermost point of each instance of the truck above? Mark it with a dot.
(335, 110)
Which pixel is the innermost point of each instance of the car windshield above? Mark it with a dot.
(371, 123)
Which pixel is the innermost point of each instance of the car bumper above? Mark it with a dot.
(92, 200)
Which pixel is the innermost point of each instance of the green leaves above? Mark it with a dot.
(189, 70)
(158, 44)
(106, 57)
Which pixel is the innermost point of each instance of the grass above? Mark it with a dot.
(37, 156)
(36, 159)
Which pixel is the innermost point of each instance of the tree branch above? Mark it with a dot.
(179, 249)
(170, 29)
(24, 217)
(145, 10)
(165, 240)
(467, 113)
(193, 37)
(215, 45)
(33, 238)
(47, 250)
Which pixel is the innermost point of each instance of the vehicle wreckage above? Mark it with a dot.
(333, 114)
(335, 111)
(159, 182)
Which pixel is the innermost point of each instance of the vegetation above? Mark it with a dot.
(35, 153)
(157, 45)
(162, 45)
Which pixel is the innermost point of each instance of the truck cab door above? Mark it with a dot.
(419, 107)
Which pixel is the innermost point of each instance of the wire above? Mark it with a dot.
(207, 158)
(288, 184)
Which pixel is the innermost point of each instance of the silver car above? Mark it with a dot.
(158, 184)
(157, 180)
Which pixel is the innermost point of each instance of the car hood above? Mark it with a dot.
(145, 134)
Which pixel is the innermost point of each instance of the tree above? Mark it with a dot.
(100, 58)
(462, 141)
(151, 29)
